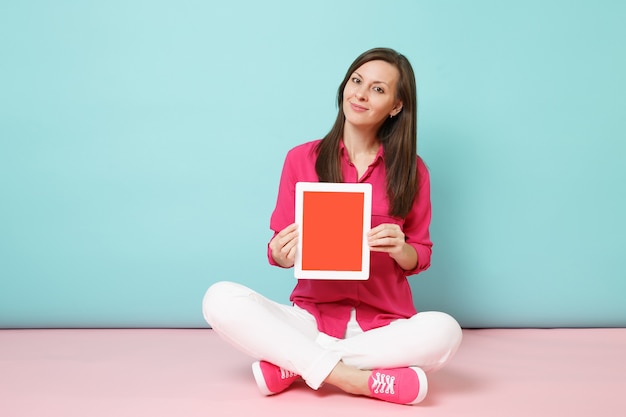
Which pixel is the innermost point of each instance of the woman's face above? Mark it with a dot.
(369, 96)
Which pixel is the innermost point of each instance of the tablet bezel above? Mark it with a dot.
(363, 188)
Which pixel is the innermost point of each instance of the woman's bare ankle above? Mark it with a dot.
(349, 379)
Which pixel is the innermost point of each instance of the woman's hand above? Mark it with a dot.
(284, 245)
(388, 237)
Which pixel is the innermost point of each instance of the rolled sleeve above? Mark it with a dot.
(299, 165)
(417, 222)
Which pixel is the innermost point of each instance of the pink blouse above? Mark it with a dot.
(386, 295)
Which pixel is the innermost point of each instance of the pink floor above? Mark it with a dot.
(151, 372)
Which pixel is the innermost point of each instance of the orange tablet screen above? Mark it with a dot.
(332, 231)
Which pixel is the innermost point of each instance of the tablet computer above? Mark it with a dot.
(333, 220)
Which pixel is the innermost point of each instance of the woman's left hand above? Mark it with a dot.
(386, 237)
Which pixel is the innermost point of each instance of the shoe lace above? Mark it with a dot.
(383, 383)
(285, 374)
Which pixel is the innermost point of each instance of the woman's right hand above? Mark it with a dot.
(284, 245)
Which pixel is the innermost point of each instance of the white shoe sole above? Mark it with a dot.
(421, 376)
(260, 380)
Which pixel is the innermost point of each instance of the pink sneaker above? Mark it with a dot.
(272, 379)
(399, 385)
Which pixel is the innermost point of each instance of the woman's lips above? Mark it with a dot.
(357, 108)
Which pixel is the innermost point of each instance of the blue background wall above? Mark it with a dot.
(141, 144)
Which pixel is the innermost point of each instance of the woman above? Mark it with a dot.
(364, 337)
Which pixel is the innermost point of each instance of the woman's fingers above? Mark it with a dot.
(288, 244)
(284, 245)
(386, 238)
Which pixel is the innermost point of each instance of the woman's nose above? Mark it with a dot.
(360, 93)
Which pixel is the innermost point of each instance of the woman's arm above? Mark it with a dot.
(410, 245)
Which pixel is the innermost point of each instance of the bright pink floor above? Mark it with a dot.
(149, 372)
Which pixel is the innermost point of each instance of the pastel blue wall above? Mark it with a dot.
(141, 144)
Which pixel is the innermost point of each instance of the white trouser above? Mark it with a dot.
(287, 336)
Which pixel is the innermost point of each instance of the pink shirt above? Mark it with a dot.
(386, 295)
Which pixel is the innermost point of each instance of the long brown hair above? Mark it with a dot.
(398, 136)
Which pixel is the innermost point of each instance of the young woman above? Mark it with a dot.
(364, 337)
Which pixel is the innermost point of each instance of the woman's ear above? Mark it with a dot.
(397, 109)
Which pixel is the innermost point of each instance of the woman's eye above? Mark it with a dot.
(379, 90)
(356, 80)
